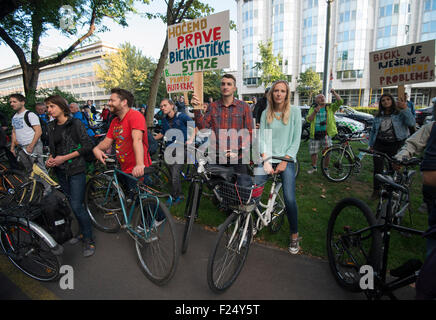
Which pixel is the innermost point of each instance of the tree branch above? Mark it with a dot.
(16, 48)
(66, 52)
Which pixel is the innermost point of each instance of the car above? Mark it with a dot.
(421, 114)
(347, 125)
(348, 112)
(343, 124)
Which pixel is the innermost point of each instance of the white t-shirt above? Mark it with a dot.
(23, 132)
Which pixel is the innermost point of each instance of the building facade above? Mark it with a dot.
(297, 30)
(75, 74)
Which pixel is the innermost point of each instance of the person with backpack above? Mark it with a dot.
(26, 133)
(179, 121)
(67, 157)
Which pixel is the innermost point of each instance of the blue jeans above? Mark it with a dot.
(74, 188)
(288, 180)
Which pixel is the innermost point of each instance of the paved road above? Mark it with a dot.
(113, 273)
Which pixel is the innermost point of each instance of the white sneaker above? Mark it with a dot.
(314, 169)
(294, 246)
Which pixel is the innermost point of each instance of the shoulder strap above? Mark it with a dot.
(26, 118)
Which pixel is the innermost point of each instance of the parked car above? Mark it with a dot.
(343, 124)
(423, 113)
(348, 112)
(347, 125)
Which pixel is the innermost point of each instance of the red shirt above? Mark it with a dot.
(121, 132)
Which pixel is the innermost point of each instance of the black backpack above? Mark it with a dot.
(42, 123)
(56, 216)
(152, 143)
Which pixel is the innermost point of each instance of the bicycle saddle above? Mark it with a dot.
(388, 180)
(226, 173)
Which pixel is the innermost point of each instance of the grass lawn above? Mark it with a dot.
(316, 198)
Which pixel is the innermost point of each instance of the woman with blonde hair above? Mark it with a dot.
(280, 132)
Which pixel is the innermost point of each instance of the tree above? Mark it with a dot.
(129, 69)
(177, 12)
(211, 84)
(23, 28)
(308, 84)
(270, 65)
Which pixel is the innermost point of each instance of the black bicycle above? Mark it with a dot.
(27, 245)
(358, 244)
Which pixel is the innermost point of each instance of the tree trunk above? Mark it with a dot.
(151, 103)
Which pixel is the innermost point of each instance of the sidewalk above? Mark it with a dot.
(268, 274)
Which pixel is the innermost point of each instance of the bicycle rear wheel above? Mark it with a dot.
(336, 164)
(352, 243)
(191, 211)
(155, 240)
(29, 252)
(229, 253)
(103, 203)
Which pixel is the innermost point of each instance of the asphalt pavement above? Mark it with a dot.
(113, 274)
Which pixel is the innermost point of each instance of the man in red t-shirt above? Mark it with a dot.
(129, 131)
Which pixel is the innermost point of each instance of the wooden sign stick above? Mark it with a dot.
(401, 91)
(198, 88)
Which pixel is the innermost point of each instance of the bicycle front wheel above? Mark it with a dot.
(191, 211)
(229, 253)
(29, 252)
(155, 240)
(352, 242)
(103, 203)
(336, 164)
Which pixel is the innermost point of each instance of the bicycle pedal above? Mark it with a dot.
(407, 269)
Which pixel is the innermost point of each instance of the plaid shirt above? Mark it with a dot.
(219, 117)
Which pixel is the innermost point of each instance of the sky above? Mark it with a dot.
(146, 35)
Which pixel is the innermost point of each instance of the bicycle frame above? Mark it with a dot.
(139, 195)
(265, 216)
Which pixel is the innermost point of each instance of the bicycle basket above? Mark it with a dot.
(235, 195)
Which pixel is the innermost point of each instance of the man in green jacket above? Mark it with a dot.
(322, 125)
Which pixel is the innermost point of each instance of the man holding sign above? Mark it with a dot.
(231, 123)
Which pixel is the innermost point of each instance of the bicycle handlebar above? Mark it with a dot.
(405, 162)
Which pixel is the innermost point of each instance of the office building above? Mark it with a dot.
(75, 74)
(297, 30)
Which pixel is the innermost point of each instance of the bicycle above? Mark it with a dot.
(339, 161)
(10, 179)
(356, 239)
(235, 235)
(155, 241)
(400, 199)
(27, 245)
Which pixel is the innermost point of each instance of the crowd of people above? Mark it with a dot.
(71, 137)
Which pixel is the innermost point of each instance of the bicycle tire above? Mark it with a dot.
(191, 211)
(351, 215)
(159, 180)
(224, 251)
(102, 202)
(156, 247)
(340, 164)
(278, 213)
(29, 252)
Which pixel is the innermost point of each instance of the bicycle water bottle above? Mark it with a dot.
(360, 155)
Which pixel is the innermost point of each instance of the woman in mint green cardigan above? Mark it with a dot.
(280, 133)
